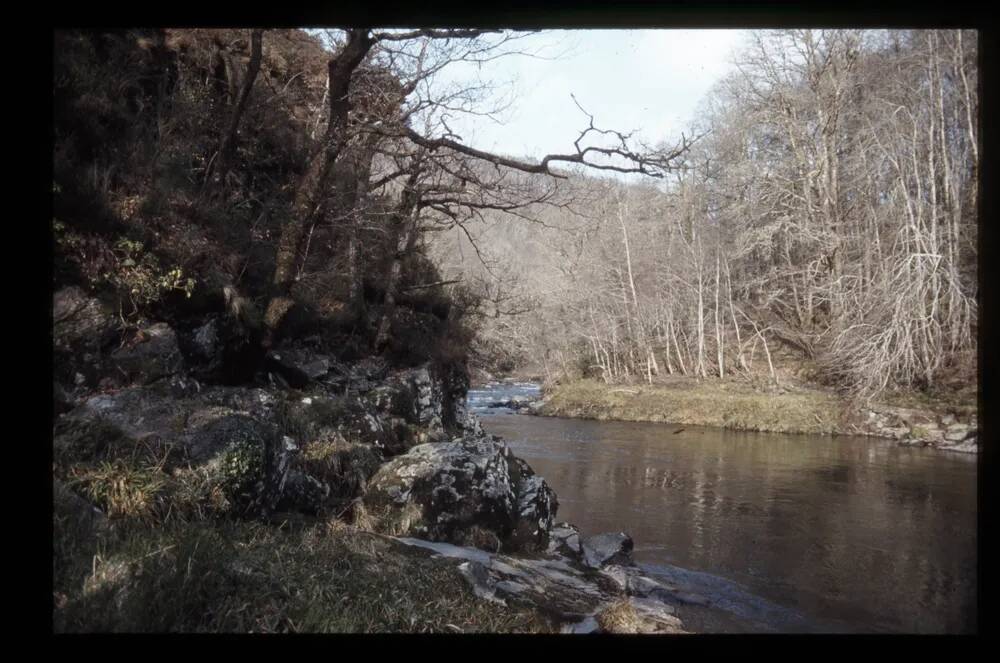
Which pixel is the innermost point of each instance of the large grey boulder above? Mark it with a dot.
(470, 491)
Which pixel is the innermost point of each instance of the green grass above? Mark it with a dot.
(708, 403)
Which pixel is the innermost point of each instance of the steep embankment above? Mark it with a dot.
(186, 504)
(739, 406)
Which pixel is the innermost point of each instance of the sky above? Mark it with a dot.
(650, 81)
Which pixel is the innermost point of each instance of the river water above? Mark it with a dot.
(776, 533)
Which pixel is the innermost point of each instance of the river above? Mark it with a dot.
(777, 533)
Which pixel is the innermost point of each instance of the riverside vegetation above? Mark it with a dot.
(262, 347)
(812, 267)
(260, 375)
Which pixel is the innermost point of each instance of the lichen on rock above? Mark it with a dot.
(470, 482)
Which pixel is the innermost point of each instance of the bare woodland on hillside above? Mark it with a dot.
(828, 208)
(824, 201)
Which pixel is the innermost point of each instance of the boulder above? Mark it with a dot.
(221, 350)
(85, 515)
(299, 364)
(455, 491)
(418, 396)
(535, 407)
(152, 354)
(895, 433)
(969, 445)
(223, 432)
(206, 341)
(564, 539)
(428, 393)
(62, 401)
(927, 432)
(957, 432)
(603, 549)
(80, 321)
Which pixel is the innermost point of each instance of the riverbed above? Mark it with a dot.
(773, 533)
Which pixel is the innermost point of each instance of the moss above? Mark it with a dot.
(242, 471)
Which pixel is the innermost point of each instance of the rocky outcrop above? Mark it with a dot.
(214, 432)
(397, 448)
(618, 600)
(923, 428)
(470, 491)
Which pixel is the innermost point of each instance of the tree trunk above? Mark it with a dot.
(312, 187)
(405, 222)
(218, 166)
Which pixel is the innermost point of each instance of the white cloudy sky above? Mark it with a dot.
(646, 80)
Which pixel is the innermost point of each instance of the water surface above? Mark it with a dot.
(790, 533)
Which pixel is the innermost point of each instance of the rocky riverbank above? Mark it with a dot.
(156, 457)
(782, 410)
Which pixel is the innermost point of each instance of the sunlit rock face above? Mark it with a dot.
(470, 491)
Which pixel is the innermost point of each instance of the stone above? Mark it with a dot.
(152, 354)
(478, 577)
(655, 617)
(252, 460)
(603, 549)
(446, 491)
(61, 400)
(948, 419)
(213, 431)
(957, 432)
(927, 432)
(83, 514)
(299, 365)
(80, 321)
(968, 446)
(617, 575)
(895, 433)
(560, 588)
(221, 350)
(206, 340)
(564, 539)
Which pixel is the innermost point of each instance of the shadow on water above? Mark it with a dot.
(785, 533)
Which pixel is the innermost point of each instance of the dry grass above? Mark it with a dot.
(721, 404)
(251, 577)
(619, 617)
(175, 559)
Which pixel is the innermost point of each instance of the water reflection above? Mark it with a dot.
(855, 534)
